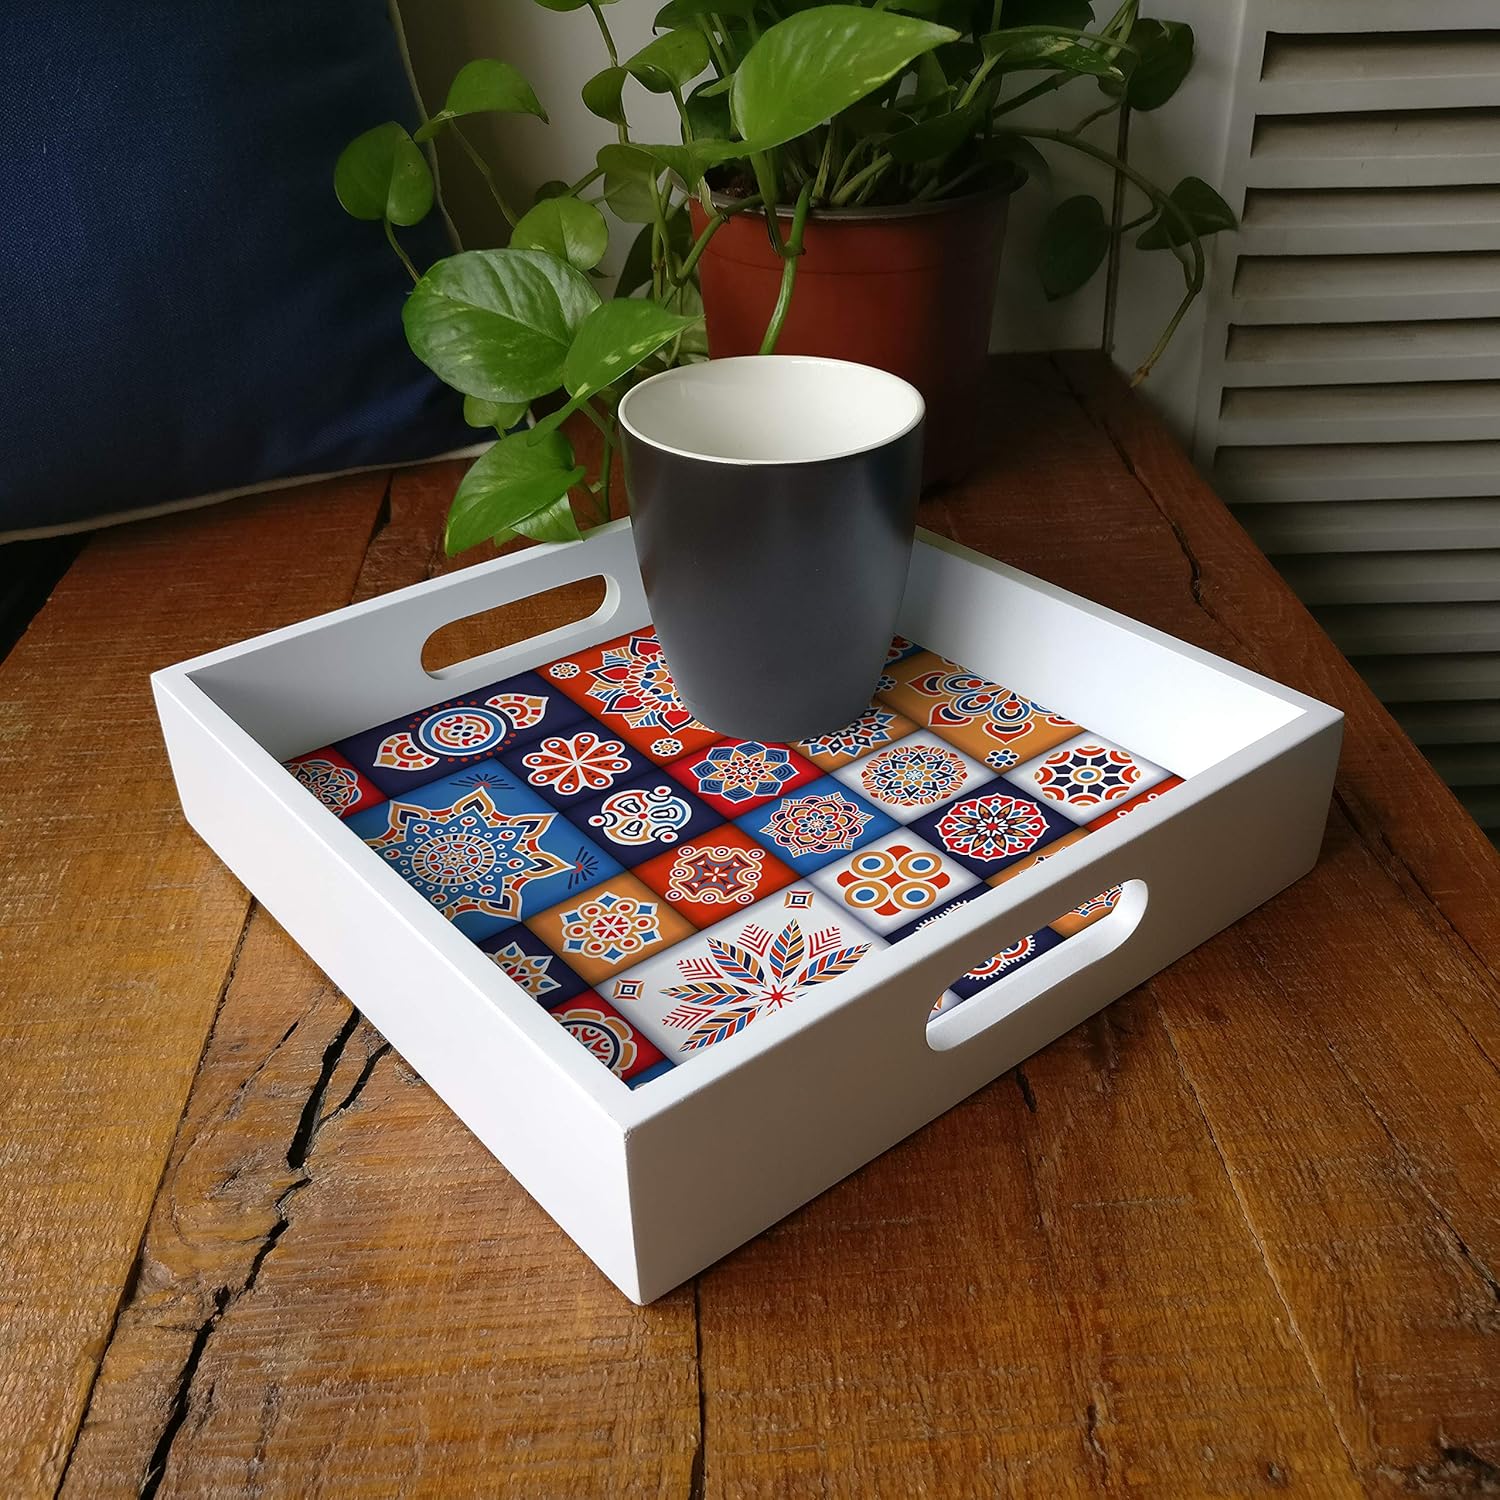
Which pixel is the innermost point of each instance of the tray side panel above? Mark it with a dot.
(565, 1151)
(863, 1077)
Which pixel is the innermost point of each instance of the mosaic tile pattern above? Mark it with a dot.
(657, 887)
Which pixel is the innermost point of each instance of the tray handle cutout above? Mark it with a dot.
(1031, 983)
(456, 648)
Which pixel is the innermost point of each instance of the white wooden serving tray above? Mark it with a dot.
(658, 1183)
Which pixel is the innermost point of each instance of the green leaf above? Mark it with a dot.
(501, 415)
(1200, 205)
(489, 86)
(565, 227)
(1005, 147)
(807, 68)
(498, 323)
(553, 523)
(671, 61)
(628, 175)
(1078, 14)
(554, 187)
(601, 95)
(708, 114)
(932, 83)
(383, 174)
(1164, 57)
(568, 4)
(930, 140)
(1075, 240)
(692, 160)
(614, 339)
(1048, 52)
(513, 480)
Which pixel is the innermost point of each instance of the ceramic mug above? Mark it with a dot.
(773, 500)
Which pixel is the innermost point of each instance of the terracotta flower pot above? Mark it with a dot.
(909, 289)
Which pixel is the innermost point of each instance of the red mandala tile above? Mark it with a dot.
(334, 782)
(627, 685)
(715, 875)
(736, 776)
(594, 1023)
(1159, 790)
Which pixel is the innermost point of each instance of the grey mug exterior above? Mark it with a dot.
(775, 586)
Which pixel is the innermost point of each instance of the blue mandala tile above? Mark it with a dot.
(992, 827)
(580, 763)
(643, 818)
(815, 825)
(432, 742)
(1016, 956)
(482, 848)
(524, 957)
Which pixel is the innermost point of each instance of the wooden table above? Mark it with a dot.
(1239, 1233)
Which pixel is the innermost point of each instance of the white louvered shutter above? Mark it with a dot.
(1350, 401)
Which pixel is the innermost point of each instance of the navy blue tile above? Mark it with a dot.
(992, 827)
(643, 818)
(534, 966)
(423, 746)
(1019, 954)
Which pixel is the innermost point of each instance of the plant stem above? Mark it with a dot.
(716, 221)
(405, 259)
(765, 180)
(483, 168)
(584, 181)
(609, 41)
(721, 60)
(606, 473)
(1036, 91)
(791, 254)
(1098, 114)
(865, 175)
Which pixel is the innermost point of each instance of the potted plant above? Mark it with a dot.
(905, 113)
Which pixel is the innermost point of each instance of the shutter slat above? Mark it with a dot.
(1451, 678)
(1365, 288)
(1395, 148)
(1372, 525)
(1394, 577)
(1405, 629)
(1332, 353)
(1409, 412)
(1450, 723)
(1359, 471)
(1378, 71)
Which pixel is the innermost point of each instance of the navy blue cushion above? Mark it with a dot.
(186, 309)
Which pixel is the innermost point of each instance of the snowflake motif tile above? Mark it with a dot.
(638, 820)
(1096, 907)
(596, 1025)
(521, 955)
(425, 745)
(783, 950)
(818, 823)
(483, 849)
(627, 685)
(1086, 777)
(736, 776)
(977, 715)
(890, 884)
(711, 877)
(877, 727)
(334, 782)
(913, 776)
(578, 763)
(991, 827)
(1144, 799)
(609, 928)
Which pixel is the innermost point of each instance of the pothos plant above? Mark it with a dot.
(894, 101)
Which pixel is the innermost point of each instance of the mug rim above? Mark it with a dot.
(770, 362)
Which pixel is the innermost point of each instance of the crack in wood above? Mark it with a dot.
(696, 1470)
(309, 1123)
(1458, 1471)
(1024, 1084)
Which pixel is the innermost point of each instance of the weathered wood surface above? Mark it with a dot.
(1237, 1234)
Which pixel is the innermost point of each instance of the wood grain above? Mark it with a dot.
(1236, 1235)
(118, 925)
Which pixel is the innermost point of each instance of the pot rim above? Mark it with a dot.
(876, 213)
